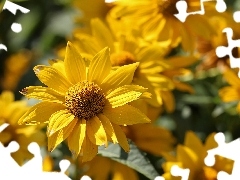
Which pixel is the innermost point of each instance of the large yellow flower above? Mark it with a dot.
(191, 155)
(231, 93)
(85, 104)
(128, 50)
(156, 21)
(10, 113)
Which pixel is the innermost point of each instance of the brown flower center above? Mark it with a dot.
(85, 100)
(167, 7)
(122, 58)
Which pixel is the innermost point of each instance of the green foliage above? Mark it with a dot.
(135, 159)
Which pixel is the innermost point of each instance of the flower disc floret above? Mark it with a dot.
(85, 100)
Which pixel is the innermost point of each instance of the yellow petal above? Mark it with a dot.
(152, 53)
(108, 127)
(58, 64)
(5, 137)
(87, 44)
(15, 111)
(160, 81)
(210, 142)
(59, 120)
(100, 66)
(188, 39)
(7, 97)
(180, 62)
(122, 76)
(200, 26)
(154, 101)
(74, 64)
(189, 158)
(96, 132)
(102, 33)
(48, 163)
(40, 113)
(238, 108)
(229, 94)
(125, 115)
(121, 137)
(52, 78)
(194, 143)
(55, 139)
(153, 27)
(77, 136)
(231, 78)
(183, 87)
(168, 100)
(43, 93)
(125, 94)
(89, 150)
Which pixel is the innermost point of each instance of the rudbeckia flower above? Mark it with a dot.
(156, 20)
(231, 93)
(10, 113)
(131, 49)
(85, 104)
(191, 155)
(207, 48)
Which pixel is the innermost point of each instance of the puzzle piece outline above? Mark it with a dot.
(15, 27)
(32, 169)
(227, 150)
(182, 6)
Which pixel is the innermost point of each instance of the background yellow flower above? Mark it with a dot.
(156, 21)
(231, 93)
(191, 155)
(10, 113)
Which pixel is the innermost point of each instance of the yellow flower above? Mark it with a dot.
(156, 20)
(232, 92)
(128, 50)
(207, 48)
(85, 104)
(10, 113)
(191, 155)
(177, 69)
(116, 170)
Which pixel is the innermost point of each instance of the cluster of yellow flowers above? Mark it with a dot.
(117, 75)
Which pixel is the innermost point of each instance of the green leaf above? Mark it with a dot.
(135, 159)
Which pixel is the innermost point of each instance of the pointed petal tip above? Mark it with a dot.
(24, 91)
(74, 154)
(38, 68)
(69, 43)
(50, 132)
(50, 149)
